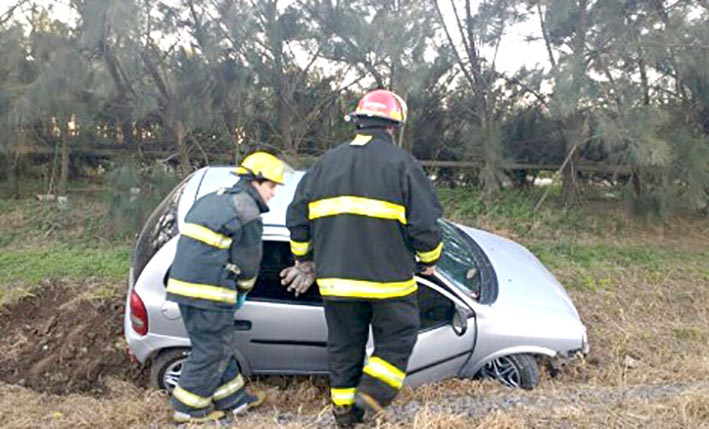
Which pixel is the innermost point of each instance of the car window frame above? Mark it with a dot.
(489, 286)
(295, 301)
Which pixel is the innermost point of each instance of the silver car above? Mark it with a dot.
(490, 310)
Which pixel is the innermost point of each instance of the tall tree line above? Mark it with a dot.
(624, 85)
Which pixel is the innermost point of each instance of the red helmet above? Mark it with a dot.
(383, 104)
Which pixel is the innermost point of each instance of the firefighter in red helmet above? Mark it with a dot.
(363, 220)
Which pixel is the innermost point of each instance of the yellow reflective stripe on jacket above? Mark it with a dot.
(431, 255)
(246, 284)
(358, 206)
(344, 396)
(299, 248)
(361, 140)
(201, 291)
(365, 289)
(205, 235)
(189, 398)
(229, 388)
(384, 371)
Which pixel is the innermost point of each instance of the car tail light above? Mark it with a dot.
(138, 315)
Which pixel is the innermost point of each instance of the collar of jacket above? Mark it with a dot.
(377, 133)
(244, 185)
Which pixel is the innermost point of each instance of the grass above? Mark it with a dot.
(101, 270)
(641, 290)
(60, 261)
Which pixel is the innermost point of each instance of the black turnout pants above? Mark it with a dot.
(210, 376)
(395, 324)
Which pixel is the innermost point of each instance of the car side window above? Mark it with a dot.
(435, 309)
(276, 257)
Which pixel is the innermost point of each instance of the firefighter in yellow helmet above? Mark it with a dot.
(361, 218)
(215, 266)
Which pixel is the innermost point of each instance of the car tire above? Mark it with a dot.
(514, 371)
(166, 368)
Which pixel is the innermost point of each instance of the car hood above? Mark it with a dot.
(523, 282)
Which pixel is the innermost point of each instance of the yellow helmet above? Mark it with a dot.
(262, 165)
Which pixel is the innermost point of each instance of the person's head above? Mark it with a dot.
(381, 109)
(264, 172)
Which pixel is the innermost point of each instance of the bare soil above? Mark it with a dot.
(57, 342)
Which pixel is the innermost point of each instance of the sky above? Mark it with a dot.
(514, 51)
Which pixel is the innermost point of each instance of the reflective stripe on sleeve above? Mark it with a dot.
(344, 396)
(229, 388)
(205, 235)
(358, 206)
(201, 291)
(365, 289)
(246, 284)
(431, 255)
(299, 248)
(190, 399)
(384, 371)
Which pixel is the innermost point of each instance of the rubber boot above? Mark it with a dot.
(371, 406)
(247, 402)
(184, 418)
(347, 416)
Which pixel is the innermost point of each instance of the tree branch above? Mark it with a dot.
(464, 69)
(8, 14)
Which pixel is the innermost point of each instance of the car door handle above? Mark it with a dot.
(242, 325)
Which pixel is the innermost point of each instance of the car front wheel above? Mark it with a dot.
(166, 368)
(515, 371)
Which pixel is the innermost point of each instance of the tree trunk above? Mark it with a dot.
(569, 185)
(15, 160)
(11, 163)
(491, 172)
(284, 125)
(64, 176)
(16, 171)
(179, 133)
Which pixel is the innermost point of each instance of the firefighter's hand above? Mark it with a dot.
(428, 271)
(299, 277)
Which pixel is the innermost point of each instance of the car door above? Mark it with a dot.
(441, 351)
(277, 332)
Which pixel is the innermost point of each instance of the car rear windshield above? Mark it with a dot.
(158, 230)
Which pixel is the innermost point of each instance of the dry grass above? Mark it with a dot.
(125, 406)
(648, 326)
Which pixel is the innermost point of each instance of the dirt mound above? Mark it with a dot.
(57, 342)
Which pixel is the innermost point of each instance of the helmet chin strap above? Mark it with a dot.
(399, 140)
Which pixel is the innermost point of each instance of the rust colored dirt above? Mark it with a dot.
(58, 343)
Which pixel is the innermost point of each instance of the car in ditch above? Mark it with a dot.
(490, 310)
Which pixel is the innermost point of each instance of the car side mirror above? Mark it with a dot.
(460, 320)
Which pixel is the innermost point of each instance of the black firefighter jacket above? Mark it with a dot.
(219, 249)
(365, 212)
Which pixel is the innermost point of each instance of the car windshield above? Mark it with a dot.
(458, 263)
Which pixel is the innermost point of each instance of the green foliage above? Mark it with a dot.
(510, 210)
(625, 84)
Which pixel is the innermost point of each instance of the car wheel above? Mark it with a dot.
(518, 370)
(166, 368)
